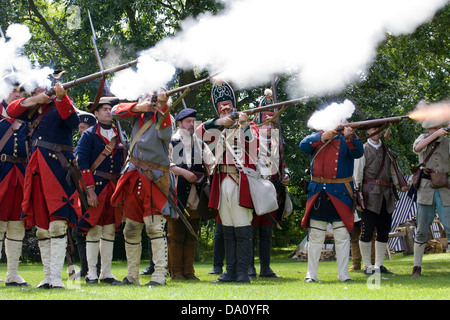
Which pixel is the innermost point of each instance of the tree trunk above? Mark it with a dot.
(52, 33)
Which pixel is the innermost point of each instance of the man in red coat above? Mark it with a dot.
(230, 193)
(269, 164)
(13, 154)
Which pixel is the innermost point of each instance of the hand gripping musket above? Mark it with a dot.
(421, 166)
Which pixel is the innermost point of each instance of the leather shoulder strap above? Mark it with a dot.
(106, 152)
(8, 134)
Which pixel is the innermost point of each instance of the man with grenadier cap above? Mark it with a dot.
(51, 200)
(191, 162)
(100, 156)
(13, 160)
(433, 195)
(269, 162)
(144, 187)
(376, 175)
(230, 193)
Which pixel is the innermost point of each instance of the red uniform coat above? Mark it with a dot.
(209, 133)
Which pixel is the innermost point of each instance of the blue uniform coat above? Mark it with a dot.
(334, 161)
(12, 174)
(47, 194)
(90, 146)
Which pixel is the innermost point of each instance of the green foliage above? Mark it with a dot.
(433, 285)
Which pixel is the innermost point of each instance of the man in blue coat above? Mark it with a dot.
(330, 195)
(100, 155)
(50, 196)
(13, 158)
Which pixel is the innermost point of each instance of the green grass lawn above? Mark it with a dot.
(433, 285)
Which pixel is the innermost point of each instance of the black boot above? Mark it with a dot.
(218, 250)
(265, 247)
(244, 243)
(230, 255)
(251, 267)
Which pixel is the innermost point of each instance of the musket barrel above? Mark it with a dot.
(190, 85)
(275, 105)
(94, 76)
(361, 124)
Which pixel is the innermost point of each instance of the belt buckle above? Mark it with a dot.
(108, 148)
(3, 157)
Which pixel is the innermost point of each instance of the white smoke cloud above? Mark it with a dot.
(15, 66)
(323, 45)
(150, 75)
(331, 116)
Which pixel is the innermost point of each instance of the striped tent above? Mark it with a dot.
(406, 209)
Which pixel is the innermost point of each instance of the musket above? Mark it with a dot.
(104, 86)
(99, 61)
(191, 85)
(184, 89)
(373, 122)
(93, 38)
(86, 79)
(235, 115)
(376, 122)
(94, 76)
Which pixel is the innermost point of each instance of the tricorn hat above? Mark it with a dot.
(222, 96)
(112, 101)
(268, 114)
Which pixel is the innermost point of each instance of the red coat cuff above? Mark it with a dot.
(350, 144)
(167, 121)
(15, 109)
(123, 110)
(88, 178)
(65, 107)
